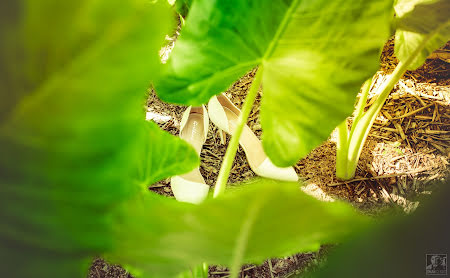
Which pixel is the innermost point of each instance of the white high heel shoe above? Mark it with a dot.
(224, 115)
(191, 187)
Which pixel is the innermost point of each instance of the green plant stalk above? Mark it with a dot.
(201, 271)
(234, 142)
(344, 136)
(205, 270)
(361, 126)
(342, 150)
(359, 111)
(364, 124)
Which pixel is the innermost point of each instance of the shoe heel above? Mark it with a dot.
(222, 136)
(217, 114)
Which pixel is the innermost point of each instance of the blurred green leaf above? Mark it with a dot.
(397, 246)
(73, 77)
(183, 6)
(421, 22)
(246, 225)
(314, 56)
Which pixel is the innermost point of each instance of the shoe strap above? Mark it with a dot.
(217, 114)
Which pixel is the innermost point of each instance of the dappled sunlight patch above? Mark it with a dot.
(408, 206)
(390, 158)
(157, 117)
(315, 191)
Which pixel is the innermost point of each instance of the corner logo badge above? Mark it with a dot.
(436, 264)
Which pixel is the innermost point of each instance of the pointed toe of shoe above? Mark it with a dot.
(268, 170)
(188, 191)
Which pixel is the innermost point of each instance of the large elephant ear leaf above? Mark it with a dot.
(310, 81)
(420, 22)
(231, 230)
(73, 81)
(314, 56)
(220, 42)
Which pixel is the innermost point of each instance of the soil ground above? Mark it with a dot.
(407, 148)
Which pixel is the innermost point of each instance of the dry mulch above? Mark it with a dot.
(407, 148)
(101, 269)
(277, 267)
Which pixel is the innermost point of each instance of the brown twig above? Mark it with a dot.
(413, 112)
(270, 267)
(379, 177)
(158, 186)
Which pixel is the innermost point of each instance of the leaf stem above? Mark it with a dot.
(244, 235)
(280, 30)
(234, 142)
(362, 127)
(342, 150)
(359, 111)
(205, 269)
(344, 136)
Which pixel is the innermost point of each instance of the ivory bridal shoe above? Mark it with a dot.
(224, 115)
(191, 187)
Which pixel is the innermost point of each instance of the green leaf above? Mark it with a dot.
(163, 156)
(220, 42)
(72, 129)
(420, 23)
(246, 225)
(314, 56)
